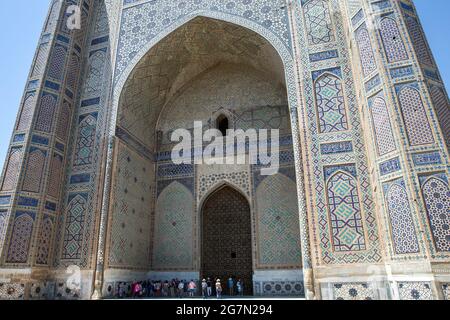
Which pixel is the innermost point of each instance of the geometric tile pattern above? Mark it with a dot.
(365, 50)
(415, 117)
(12, 169)
(442, 109)
(44, 241)
(35, 168)
(46, 113)
(173, 239)
(446, 291)
(382, 126)
(402, 226)
(26, 115)
(415, 291)
(345, 213)
(352, 291)
(239, 179)
(57, 62)
(282, 288)
(330, 104)
(12, 291)
(54, 180)
(86, 138)
(64, 121)
(130, 231)
(436, 193)
(318, 22)
(392, 40)
(21, 238)
(74, 227)
(419, 42)
(278, 227)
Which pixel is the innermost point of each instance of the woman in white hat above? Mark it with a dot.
(218, 289)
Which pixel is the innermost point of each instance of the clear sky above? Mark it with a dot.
(21, 23)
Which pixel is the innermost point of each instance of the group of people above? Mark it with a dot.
(179, 288)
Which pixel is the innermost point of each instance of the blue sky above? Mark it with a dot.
(21, 23)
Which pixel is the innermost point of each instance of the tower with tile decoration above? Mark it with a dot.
(359, 208)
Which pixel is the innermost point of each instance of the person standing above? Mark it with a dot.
(209, 287)
(218, 289)
(204, 289)
(231, 286)
(192, 288)
(181, 289)
(240, 288)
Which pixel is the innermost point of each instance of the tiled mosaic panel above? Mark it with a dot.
(160, 14)
(324, 253)
(44, 241)
(345, 213)
(266, 117)
(442, 108)
(130, 233)
(173, 239)
(330, 104)
(12, 291)
(64, 120)
(64, 291)
(21, 238)
(57, 62)
(46, 113)
(419, 42)
(436, 193)
(368, 62)
(415, 117)
(94, 78)
(318, 22)
(87, 128)
(34, 171)
(75, 218)
(239, 179)
(42, 290)
(12, 169)
(26, 114)
(281, 288)
(415, 291)
(352, 291)
(392, 40)
(54, 182)
(4, 217)
(277, 220)
(446, 291)
(400, 216)
(382, 126)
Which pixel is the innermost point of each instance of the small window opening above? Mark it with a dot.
(223, 124)
(233, 255)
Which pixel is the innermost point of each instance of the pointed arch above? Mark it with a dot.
(382, 127)
(403, 231)
(21, 238)
(35, 168)
(47, 108)
(436, 193)
(44, 241)
(345, 214)
(392, 40)
(173, 237)
(278, 222)
(366, 54)
(12, 169)
(415, 117)
(330, 103)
